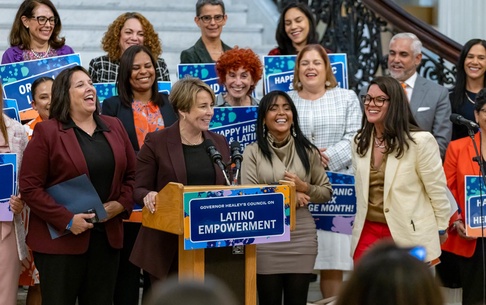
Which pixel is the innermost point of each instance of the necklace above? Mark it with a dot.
(379, 143)
(187, 142)
(39, 55)
(469, 99)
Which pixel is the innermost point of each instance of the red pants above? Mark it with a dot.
(372, 232)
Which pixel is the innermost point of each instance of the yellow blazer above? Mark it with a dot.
(414, 196)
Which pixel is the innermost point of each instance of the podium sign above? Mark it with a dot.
(225, 218)
(337, 215)
(475, 193)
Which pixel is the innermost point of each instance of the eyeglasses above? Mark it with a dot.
(377, 100)
(42, 20)
(207, 18)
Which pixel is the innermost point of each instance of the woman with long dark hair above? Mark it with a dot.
(470, 79)
(141, 109)
(296, 28)
(283, 152)
(399, 180)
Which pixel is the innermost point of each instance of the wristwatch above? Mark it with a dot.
(442, 232)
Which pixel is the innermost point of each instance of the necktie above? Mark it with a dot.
(404, 86)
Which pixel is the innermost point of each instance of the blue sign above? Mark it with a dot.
(13, 72)
(475, 201)
(205, 72)
(236, 217)
(239, 216)
(235, 123)
(17, 78)
(106, 90)
(20, 90)
(11, 109)
(337, 215)
(8, 184)
(278, 71)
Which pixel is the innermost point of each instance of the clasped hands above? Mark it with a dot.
(81, 221)
(301, 187)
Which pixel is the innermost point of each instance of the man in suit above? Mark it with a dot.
(429, 101)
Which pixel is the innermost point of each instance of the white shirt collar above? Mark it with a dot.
(411, 81)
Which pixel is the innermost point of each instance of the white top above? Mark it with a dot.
(331, 122)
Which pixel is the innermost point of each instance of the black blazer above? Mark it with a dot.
(113, 107)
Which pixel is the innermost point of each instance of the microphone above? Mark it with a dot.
(236, 156)
(215, 156)
(460, 120)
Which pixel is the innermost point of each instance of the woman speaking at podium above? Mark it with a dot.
(283, 152)
(175, 154)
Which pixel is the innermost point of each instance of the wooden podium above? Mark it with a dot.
(169, 217)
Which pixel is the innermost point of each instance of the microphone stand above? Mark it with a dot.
(479, 160)
(238, 249)
(226, 178)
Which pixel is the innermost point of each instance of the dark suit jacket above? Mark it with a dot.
(160, 161)
(199, 54)
(53, 155)
(113, 107)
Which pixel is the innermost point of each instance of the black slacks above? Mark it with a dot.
(89, 277)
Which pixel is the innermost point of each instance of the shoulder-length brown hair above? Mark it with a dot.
(125, 91)
(111, 40)
(19, 34)
(61, 99)
(399, 121)
(322, 52)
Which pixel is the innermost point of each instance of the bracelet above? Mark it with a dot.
(70, 224)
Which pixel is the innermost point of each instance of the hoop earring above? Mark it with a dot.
(292, 131)
(264, 131)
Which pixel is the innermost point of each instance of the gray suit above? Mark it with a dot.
(431, 109)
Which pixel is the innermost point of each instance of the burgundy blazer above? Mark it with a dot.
(53, 155)
(160, 161)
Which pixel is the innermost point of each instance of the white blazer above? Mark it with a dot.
(414, 196)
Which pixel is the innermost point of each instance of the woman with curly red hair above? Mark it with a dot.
(128, 29)
(239, 70)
